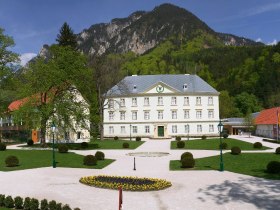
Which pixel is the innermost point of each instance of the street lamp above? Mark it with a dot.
(53, 157)
(220, 128)
(130, 133)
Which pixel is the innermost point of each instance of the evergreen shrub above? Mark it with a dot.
(235, 150)
(90, 160)
(178, 138)
(66, 207)
(18, 202)
(2, 146)
(277, 151)
(180, 144)
(187, 162)
(138, 138)
(273, 167)
(203, 137)
(223, 145)
(52, 205)
(62, 148)
(257, 145)
(44, 204)
(34, 204)
(186, 154)
(11, 161)
(99, 155)
(84, 145)
(26, 203)
(9, 202)
(225, 135)
(125, 145)
(116, 138)
(30, 142)
(2, 199)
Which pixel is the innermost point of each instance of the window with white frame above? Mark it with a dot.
(134, 101)
(134, 115)
(186, 114)
(174, 114)
(174, 128)
(122, 129)
(199, 128)
(198, 100)
(122, 115)
(198, 114)
(134, 129)
(211, 128)
(160, 115)
(186, 101)
(111, 130)
(122, 102)
(111, 115)
(173, 100)
(160, 100)
(146, 115)
(210, 100)
(146, 101)
(147, 129)
(111, 104)
(187, 128)
(210, 113)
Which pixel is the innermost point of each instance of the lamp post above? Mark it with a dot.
(220, 128)
(130, 132)
(53, 154)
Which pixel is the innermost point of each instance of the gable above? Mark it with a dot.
(160, 87)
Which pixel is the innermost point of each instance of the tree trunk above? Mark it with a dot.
(43, 131)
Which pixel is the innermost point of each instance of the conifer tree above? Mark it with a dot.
(66, 37)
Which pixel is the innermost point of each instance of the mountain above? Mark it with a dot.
(142, 31)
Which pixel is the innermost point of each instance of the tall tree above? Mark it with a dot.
(66, 37)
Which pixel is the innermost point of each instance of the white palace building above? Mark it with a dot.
(161, 106)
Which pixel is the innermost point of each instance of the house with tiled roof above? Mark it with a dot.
(267, 123)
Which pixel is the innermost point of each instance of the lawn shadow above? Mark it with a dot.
(262, 193)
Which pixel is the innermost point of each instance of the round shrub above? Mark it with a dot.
(257, 145)
(11, 161)
(62, 148)
(44, 204)
(52, 204)
(225, 135)
(30, 142)
(235, 150)
(277, 151)
(223, 145)
(18, 202)
(44, 145)
(84, 145)
(9, 202)
(116, 138)
(58, 206)
(186, 154)
(180, 144)
(2, 146)
(99, 155)
(273, 167)
(187, 162)
(66, 207)
(2, 199)
(90, 160)
(178, 138)
(138, 138)
(203, 137)
(26, 203)
(125, 145)
(34, 204)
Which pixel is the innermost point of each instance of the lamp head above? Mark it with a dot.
(220, 127)
(53, 127)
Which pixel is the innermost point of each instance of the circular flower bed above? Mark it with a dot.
(127, 183)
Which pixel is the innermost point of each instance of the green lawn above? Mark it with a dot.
(36, 159)
(213, 144)
(97, 144)
(253, 164)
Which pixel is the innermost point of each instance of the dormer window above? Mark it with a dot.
(134, 87)
(185, 86)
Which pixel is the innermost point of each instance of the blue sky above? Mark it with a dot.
(33, 23)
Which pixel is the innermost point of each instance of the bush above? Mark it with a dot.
(125, 145)
(235, 150)
(116, 138)
(138, 138)
(58, 206)
(2, 199)
(186, 154)
(62, 148)
(225, 135)
(180, 144)
(26, 204)
(203, 137)
(77, 209)
(66, 207)
(84, 145)
(90, 160)
(257, 145)
(2, 146)
(95, 146)
(273, 167)
(44, 204)
(187, 162)
(52, 205)
(11, 161)
(18, 202)
(9, 202)
(44, 145)
(99, 155)
(30, 142)
(34, 204)
(277, 151)
(178, 138)
(223, 145)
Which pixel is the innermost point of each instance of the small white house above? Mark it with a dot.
(161, 106)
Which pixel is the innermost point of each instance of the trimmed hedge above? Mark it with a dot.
(277, 151)
(138, 138)
(272, 141)
(203, 137)
(116, 138)
(125, 145)
(178, 138)
(99, 155)
(186, 154)
(257, 145)
(180, 144)
(84, 145)
(90, 160)
(273, 167)
(30, 142)
(62, 148)
(2, 146)
(11, 161)
(235, 150)
(223, 145)
(187, 162)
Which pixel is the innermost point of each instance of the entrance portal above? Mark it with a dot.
(160, 131)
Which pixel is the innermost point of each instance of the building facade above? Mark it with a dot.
(161, 106)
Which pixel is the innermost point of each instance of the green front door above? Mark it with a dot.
(160, 131)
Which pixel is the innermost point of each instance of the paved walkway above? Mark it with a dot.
(190, 189)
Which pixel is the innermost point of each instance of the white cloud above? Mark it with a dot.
(259, 40)
(24, 58)
(274, 42)
(263, 9)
